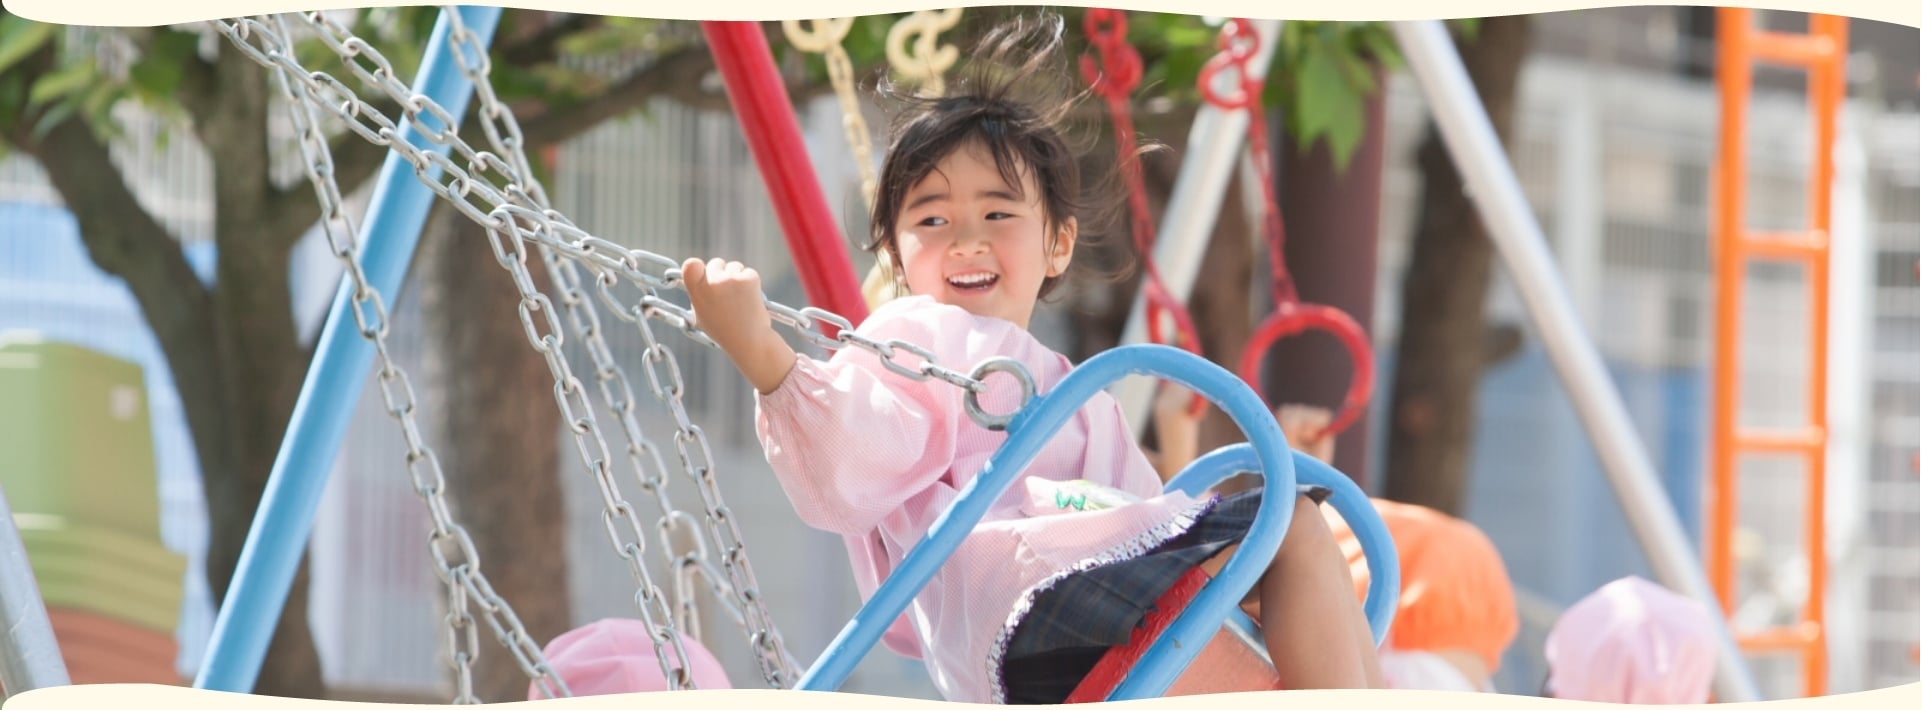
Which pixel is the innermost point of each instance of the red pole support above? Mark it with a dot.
(760, 98)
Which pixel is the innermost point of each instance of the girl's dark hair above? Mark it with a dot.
(1018, 57)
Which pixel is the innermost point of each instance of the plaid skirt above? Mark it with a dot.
(1072, 624)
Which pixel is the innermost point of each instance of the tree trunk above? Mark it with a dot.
(292, 667)
(1333, 222)
(1442, 348)
(501, 436)
(230, 350)
(1223, 303)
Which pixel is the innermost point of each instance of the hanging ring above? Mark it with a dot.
(1292, 318)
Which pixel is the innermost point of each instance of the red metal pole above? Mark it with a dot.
(774, 134)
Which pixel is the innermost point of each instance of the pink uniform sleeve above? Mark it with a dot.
(850, 441)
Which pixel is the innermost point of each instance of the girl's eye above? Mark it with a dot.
(999, 215)
(933, 221)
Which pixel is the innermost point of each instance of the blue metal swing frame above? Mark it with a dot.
(1267, 454)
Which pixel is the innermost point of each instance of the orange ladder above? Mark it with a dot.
(1821, 51)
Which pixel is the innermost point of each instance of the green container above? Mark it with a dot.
(77, 461)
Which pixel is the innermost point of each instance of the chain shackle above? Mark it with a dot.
(818, 35)
(923, 61)
(1119, 69)
(1236, 50)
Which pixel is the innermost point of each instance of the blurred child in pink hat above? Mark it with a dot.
(614, 656)
(1632, 642)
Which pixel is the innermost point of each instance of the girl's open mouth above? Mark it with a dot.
(977, 281)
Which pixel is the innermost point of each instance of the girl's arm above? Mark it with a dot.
(849, 442)
(731, 308)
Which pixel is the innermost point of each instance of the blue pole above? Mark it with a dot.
(342, 358)
(1027, 433)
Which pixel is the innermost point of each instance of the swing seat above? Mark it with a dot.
(1226, 665)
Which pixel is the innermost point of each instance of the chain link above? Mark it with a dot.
(824, 37)
(1239, 44)
(496, 189)
(463, 639)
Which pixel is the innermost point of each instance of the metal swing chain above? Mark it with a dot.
(499, 615)
(824, 37)
(504, 136)
(569, 395)
(1239, 44)
(460, 571)
(613, 262)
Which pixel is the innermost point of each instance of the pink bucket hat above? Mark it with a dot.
(614, 656)
(1633, 642)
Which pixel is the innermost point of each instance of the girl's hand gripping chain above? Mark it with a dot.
(731, 308)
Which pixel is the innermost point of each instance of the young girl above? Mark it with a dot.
(1632, 642)
(977, 213)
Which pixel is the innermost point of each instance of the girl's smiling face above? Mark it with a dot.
(967, 238)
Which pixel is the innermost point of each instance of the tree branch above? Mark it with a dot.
(296, 208)
(199, 85)
(122, 237)
(677, 76)
(681, 68)
(544, 46)
(125, 240)
(233, 128)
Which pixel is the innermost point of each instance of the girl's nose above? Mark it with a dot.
(968, 241)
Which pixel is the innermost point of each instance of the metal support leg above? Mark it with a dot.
(29, 653)
(342, 358)
(1498, 195)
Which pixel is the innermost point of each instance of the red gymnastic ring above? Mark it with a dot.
(1293, 318)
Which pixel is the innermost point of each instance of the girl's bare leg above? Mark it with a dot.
(1314, 625)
